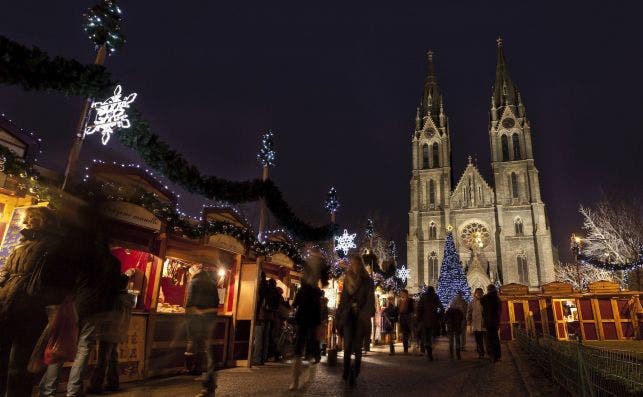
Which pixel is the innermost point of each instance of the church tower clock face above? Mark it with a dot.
(475, 236)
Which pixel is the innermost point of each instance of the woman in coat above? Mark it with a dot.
(34, 276)
(356, 307)
(475, 321)
(491, 308)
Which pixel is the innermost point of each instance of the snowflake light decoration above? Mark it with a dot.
(110, 114)
(267, 154)
(345, 242)
(403, 273)
(332, 203)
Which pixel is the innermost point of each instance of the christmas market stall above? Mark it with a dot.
(603, 312)
(138, 239)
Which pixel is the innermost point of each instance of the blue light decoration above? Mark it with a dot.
(452, 278)
(102, 24)
(332, 203)
(267, 155)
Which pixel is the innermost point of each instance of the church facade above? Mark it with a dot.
(500, 228)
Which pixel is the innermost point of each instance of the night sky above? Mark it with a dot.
(339, 86)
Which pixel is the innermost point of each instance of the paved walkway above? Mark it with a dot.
(382, 375)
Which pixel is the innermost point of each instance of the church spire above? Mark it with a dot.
(431, 99)
(505, 92)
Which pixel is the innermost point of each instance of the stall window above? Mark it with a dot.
(141, 267)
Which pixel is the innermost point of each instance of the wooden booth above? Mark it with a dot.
(605, 312)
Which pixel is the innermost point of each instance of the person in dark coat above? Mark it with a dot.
(356, 307)
(96, 287)
(34, 276)
(389, 319)
(430, 310)
(406, 308)
(308, 317)
(455, 323)
(201, 308)
(113, 330)
(491, 308)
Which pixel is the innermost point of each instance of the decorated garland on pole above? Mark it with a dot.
(33, 69)
(99, 192)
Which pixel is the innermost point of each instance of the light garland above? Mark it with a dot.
(110, 114)
(267, 154)
(102, 24)
(332, 203)
(369, 232)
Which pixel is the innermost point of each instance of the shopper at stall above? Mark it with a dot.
(475, 321)
(201, 309)
(406, 311)
(430, 310)
(259, 328)
(97, 278)
(307, 304)
(491, 315)
(35, 275)
(356, 307)
(389, 321)
(455, 319)
(112, 331)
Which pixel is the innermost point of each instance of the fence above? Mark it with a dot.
(586, 371)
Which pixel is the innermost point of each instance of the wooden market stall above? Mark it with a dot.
(604, 312)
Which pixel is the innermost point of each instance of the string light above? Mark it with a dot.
(267, 155)
(332, 203)
(110, 114)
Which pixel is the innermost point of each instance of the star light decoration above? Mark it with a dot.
(110, 114)
(345, 242)
(403, 273)
(267, 154)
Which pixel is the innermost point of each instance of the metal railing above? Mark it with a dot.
(586, 370)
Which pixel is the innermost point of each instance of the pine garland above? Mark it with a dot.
(33, 69)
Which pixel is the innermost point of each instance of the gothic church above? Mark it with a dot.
(501, 230)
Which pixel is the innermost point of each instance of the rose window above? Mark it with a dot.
(475, 236)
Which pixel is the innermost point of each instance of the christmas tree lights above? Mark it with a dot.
(452, 279)
(332, 203)
(102, 24)
(267, 154)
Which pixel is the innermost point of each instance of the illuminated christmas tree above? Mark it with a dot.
(452, 278)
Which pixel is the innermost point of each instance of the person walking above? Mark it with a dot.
(33, 277)
(491, 308)
(475, 321)
(454, 318)
(201, 310)
(430, 309)
(389, 320)
(356, 307)
(112, 331)
(406, 310)
(96, 286)
(308, 316)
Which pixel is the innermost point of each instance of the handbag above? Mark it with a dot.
(63, 339)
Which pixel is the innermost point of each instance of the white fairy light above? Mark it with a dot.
(111, 114)
(403, 273)
(345, 242)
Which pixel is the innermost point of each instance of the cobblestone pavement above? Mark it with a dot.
(382, 375)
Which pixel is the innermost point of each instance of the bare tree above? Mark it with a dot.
(580, 275)
(614, 233)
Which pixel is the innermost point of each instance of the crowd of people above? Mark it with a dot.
(53, 268)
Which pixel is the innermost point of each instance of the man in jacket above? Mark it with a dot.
(491, 308)
(406, 310)
(430, 310)
(201, 309)
(32, 278)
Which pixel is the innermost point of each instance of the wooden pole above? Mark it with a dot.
(74, 152)
(262, 208)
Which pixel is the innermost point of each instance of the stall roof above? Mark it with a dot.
(131, 176)
(224, 214)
